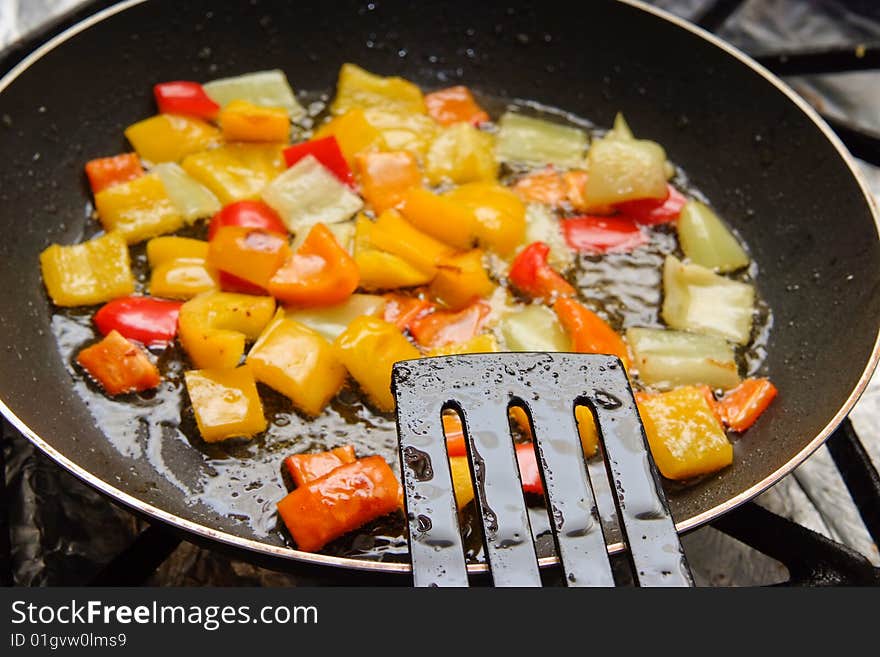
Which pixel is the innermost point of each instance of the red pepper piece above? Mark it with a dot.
(152, 322)
(182, 97)
(231, 283)
(531, 274)
(250, 214)
(304, 468)
(594, 234)
(402, 310)
(118, 365)
(652, 211)
(326, 151)
(105, 172)
(528, 468)
(444, 327)
(744, 404)
(339, 502)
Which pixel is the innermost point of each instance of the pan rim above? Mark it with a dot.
(290, 554)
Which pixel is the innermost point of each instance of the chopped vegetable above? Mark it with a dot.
(184, 97)
(308, 193)
(89, 273)
(138, 209)
(743, 405)
(536, 141)
(339, 502)
(368, 348)
(462, 483)
(667, 358)
(529, 473)
(453, 105)
(353, 133)
(304, 468)
(171, 137)
(440, 217)
(118, 365)
(401, 310)
(330, 321)
(454, 434)
(696, 299)
(244, 121)
(386, 177)
(250, 214)
(587, 431)
(213, 327)
(445, 327)
(108, 171)
(542, 225)
(394, 234)
(384, 271)
(357, 88)
(482, 344)
(152, 322)
(171, 247)
(225, 403)
(588, 332)
(191, 199)
(319, 273)
(460, 279)
(534, 328)
(179, 267)
(542, 186)
(236, 172)
(575, 188)
(250, 254)
(589, 234)
(297, 362)
(625, 170)
(707, 241)
(326, 151)
(461, 154)
(532, 275)
(499, 215)
(686, 438)
(651, 211)
(264, 88)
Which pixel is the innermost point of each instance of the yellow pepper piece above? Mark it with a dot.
(170, 137)
(297, 362)
(138, 209)
(213, 326)
(359, 88)
(499, 214)
(353, 134)
(402, 130)
(686, 438)
(368, 348)
(394, 234)
(236, 172)
(244, 121)
(462, 484)
(182, 278)
(380, 270)
(585, 423)
(440, 217)
(462, 154)
(89, 273)
(482, 344)
(171, 247)
(225, 403)
(460, 278)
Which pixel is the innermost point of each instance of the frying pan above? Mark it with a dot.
(764, 158)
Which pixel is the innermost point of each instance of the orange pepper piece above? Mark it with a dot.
(108, 171)
(319, 273)
(244, 121)
(741, 406)
(589, 333)
(454, 433)
(304, 468)
(119, 365)
(401, 310)
(448, 106)
(250, 254)
(385, 177)
(544, 186)
(444, 327)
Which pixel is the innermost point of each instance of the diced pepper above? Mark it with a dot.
(686, 438)
(482, 344)
(529, 472)
(625, 170)
(380, 270)
(590, 234)
(401, 309)
(184, 97)
(534, 328)
(330, 321)
(304, 468)
(118, 365)
(308, 193)
(460, 279)
(244, 121)
(462, 484)
(236, 172)
(297, 362)
(499, 215)
(743, 405)
(319, 273)
(152, 322)
(213, 326)
(108, 171)
(394, 234)
(368, 348)
(89, 273)
(655, 211)
(251, 254)
(532, 275)
(575, 187)
(250, 214)
(454, 434)
(386, 177)
(462, 154)
(444, 327)
(589, 333)
(327, 152)
(359, 88)
(587, 431)
(353, 133)
(183, 278)
(542, 186)
(440, 217)
(707, 241)
(138, 209)
(263, 88)
(401, 130)
(171, 137)
(226, 403)
(454, 104)
(172, 247)
(542, 225)
(191, 199)
(339, 502)
(696, 299)
(536, 141)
